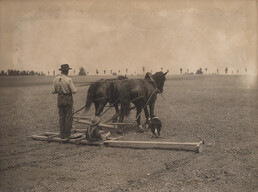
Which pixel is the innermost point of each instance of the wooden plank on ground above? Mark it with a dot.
(120, 123)
(39, 137)
(50, 133)
(72, 136)
(152, 143)
(84, 142)
(100, 124)
(114, 138)
(57, 139)
(112, 118)
(155, 144)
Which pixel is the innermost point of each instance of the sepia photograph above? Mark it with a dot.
(128, 95)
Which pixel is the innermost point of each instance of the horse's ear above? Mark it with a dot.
(165, 73)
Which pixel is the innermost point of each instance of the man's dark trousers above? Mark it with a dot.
(65, 104)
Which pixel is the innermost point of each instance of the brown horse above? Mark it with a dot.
(104, 91)
(142, 93)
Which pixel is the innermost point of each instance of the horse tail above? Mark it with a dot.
(125, 100)
(90, 96)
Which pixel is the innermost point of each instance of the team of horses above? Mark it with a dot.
(141, 92)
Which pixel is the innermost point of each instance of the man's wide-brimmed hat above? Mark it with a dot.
(65, 67)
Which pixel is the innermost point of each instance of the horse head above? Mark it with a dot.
(160, 79)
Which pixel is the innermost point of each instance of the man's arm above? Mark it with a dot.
(72, 87)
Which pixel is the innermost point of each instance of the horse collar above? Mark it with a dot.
(153, 82)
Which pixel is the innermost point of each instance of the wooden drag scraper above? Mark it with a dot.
(78, 137)
(198, 146)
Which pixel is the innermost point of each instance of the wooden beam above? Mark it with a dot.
(153, 144)
(56, 139)
(114, 138)
(52, 136)
(110, 119)
(199, 147)
(100, 124)
(50, 133)
(72, 132)
(47, 138)
(81, 138)
(39, 137)
(120, 123)
(84, 142)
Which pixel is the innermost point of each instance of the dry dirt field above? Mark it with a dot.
(222, 110)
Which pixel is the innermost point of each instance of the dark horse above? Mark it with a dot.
(142, 93)
(105, 91)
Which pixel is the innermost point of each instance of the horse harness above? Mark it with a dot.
(153, 83)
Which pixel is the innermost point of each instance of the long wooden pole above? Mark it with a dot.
(152, 142)
(198, 145)
(100, 124)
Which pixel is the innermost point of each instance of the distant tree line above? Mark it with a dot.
(11, 72)
(200, 71)
(82, 72)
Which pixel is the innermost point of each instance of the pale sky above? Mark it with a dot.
(115, 34)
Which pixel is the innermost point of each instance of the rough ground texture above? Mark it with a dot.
(222, 110)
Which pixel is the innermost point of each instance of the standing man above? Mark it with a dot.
(64, 87)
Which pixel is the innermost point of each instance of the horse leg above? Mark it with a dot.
(117, 112)
(96, 107)
(120, 129)
(146, 112)
(152, 109)
(147, 121)
(138, 118)
(121, 117)
(100, 108)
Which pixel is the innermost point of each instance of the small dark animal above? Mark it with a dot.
(155, 126)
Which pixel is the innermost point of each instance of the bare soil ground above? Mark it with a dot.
(222, 110)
